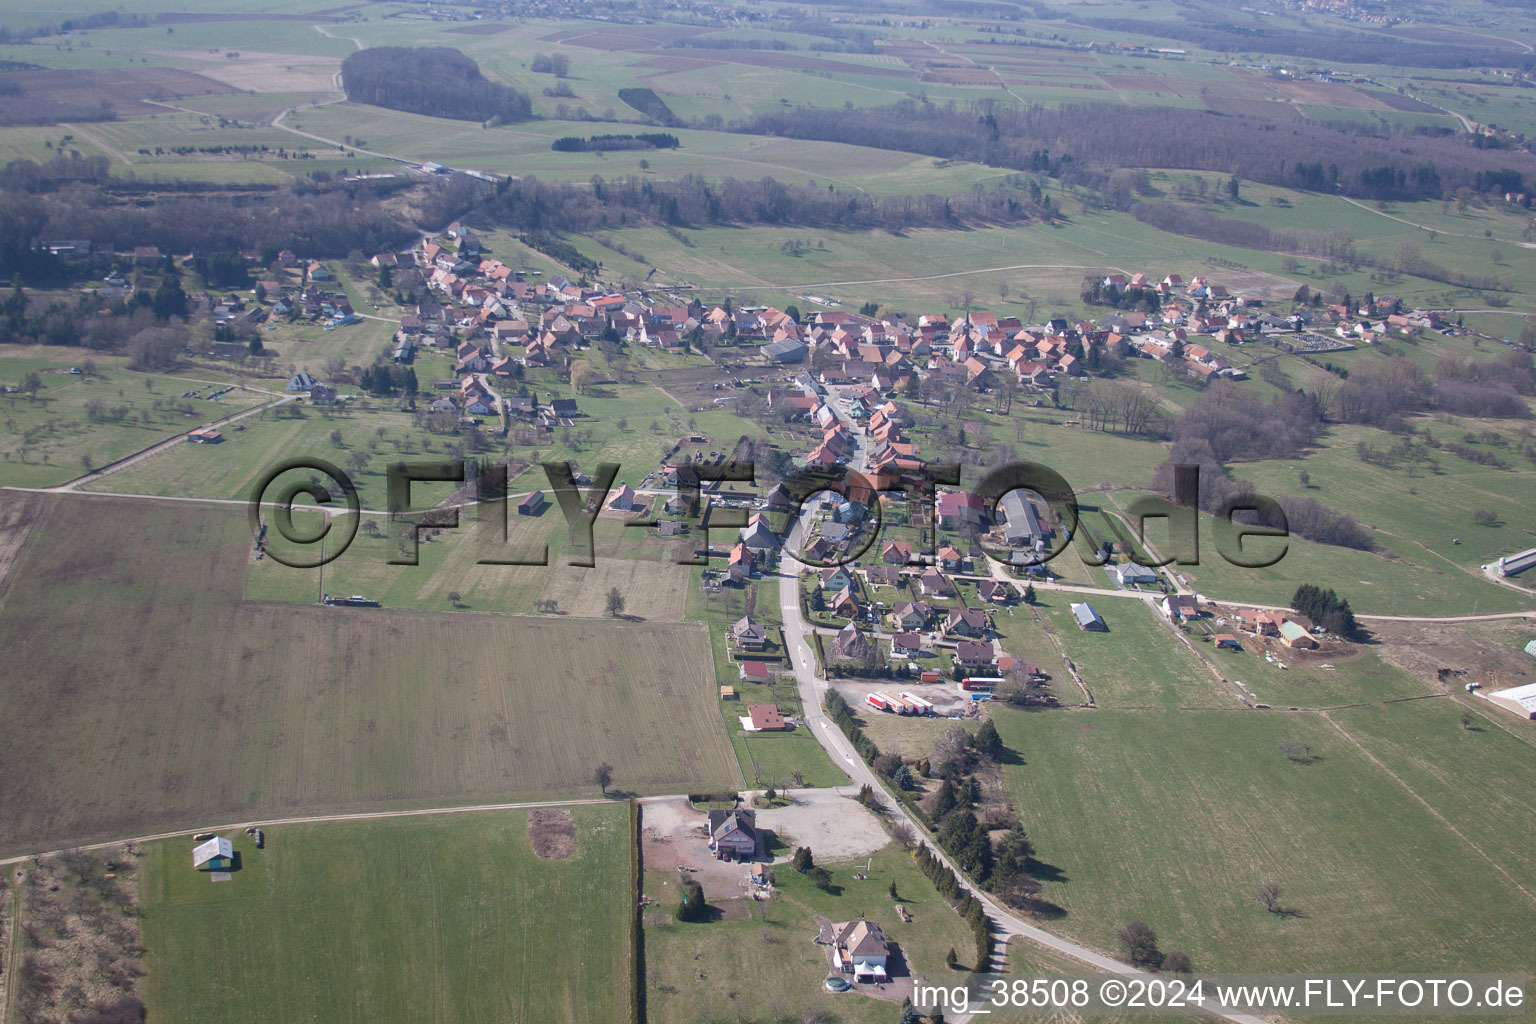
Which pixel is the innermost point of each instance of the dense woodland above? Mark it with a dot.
(318, 220)
(438, 81)
(528, 204)
(1084, 144)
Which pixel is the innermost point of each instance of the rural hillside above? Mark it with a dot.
(725, 510)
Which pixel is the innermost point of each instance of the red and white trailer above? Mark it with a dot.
(918, 705)
(885, 702)
(981, 684)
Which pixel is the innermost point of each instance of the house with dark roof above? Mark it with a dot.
(749, 635)
(733, 833)
(851, 643)
(970, 622)
(975, 654)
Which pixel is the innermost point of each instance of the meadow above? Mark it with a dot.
(760, 961)
(52, 438)
(1392, 848)
(451, 918)
(176, 702)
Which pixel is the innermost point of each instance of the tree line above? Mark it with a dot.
(1082, 144)
(1336, 246)
(604, 143)
(438, 81)
(318, 220)
(528, 204)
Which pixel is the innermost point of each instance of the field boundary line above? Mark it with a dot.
(318, 819)
(1458, 833)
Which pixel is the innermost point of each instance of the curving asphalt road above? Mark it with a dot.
(812, 689)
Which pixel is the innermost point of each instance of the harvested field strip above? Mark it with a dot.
(174, 702)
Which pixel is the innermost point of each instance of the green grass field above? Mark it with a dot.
(757, 968)
(47, 439)
(452, 918)
(1399, 847)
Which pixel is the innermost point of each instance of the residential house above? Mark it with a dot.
(834, 579)
(950, 558)
(733, 833)
(739, 565)
(749, 635)
(860, 948)
(845, 604)
(624, 500)
(933, 584)
(958, 509)
(1128, 573)
(975, 654)
(1181, 606)
(851, 643)
(896, 552)
(766, 718)
(906, 645)
(911, 615)
(994, 592)
(970, 622)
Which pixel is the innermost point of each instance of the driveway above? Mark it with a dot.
(836, 828)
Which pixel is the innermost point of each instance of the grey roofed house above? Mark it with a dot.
(747, 632)
(1130, 572)
(787, 351)
(563, 407)
(758, 537)
(834, 533)
(300, 382)
(1088, 618)
(1023, 526)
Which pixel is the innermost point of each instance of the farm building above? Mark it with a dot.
(1530, 648)
(787, 351)
(733, 834)
(1293, 635)
(204, 435)
(532, 505)
(215, 855)
(860, 948)
(756, 671)
(1520, 700)
(1089, 619)
(1512, 565)
(1228, 640)
(763, 718)
(1023, 525)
